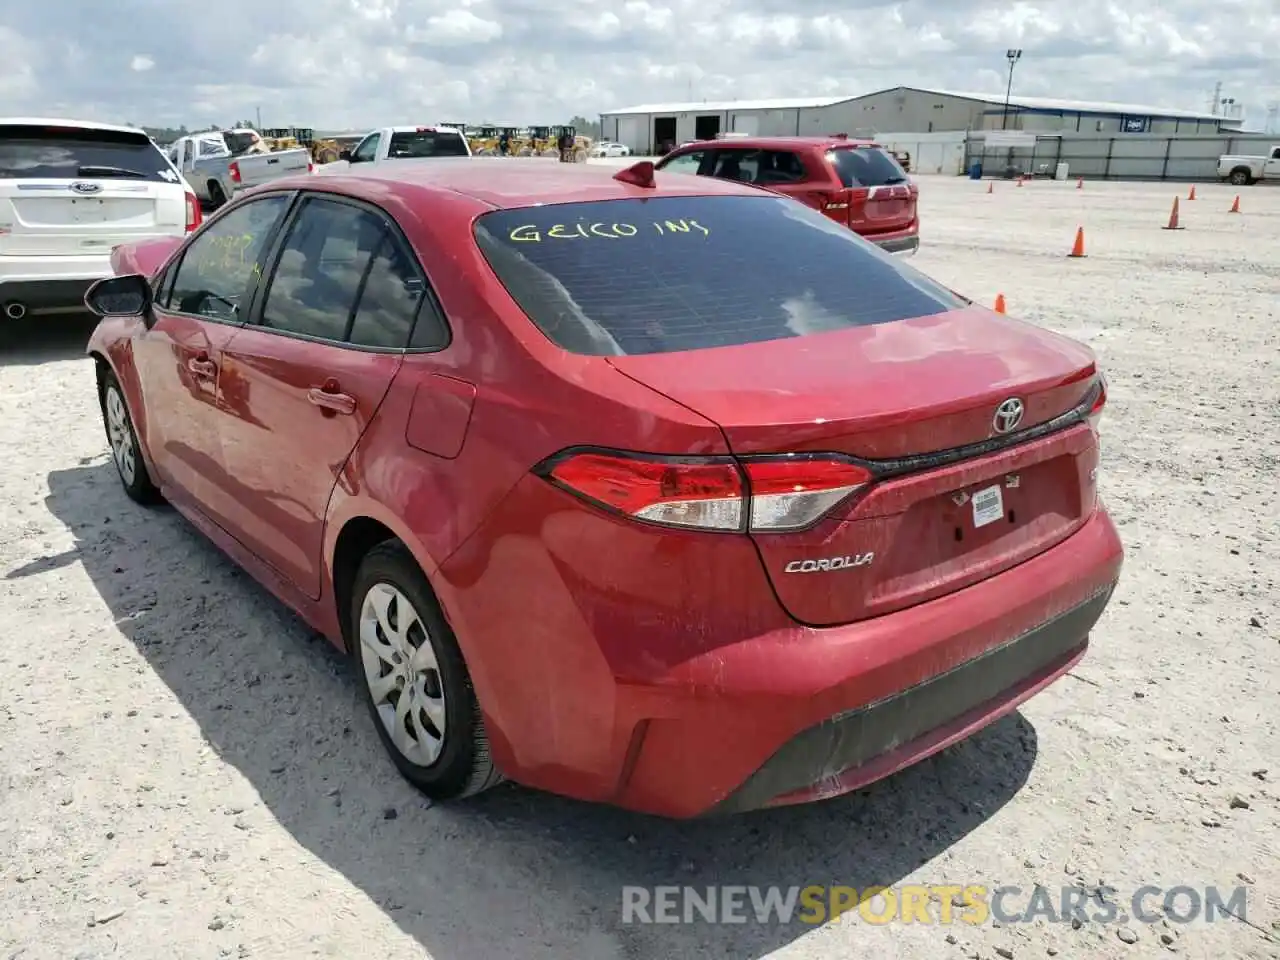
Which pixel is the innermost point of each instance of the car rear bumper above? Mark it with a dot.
(905, 244)
(807, 714)
(50, 284)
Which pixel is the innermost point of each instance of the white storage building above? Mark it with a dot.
(646, 128)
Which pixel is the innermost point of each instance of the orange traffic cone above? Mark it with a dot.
(999, 307)
(1192, 194)
(1077, 248)
(1235, 205)
(1173, 217)
(1019, 181)
(1079, 183)
(991, 187)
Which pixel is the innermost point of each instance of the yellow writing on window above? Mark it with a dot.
(531, 233)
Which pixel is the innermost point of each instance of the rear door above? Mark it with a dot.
(74, 191)
(881, 197)
(303, 380)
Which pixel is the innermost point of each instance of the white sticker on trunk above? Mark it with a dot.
(988, 506)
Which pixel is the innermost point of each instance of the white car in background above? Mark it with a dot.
(607, 148)
(70, 190)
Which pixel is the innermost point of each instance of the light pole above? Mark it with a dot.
(1013, 56)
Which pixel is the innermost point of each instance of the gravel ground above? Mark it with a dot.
(186, 771)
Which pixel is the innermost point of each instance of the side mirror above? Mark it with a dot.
(127, 296)
(345, 155)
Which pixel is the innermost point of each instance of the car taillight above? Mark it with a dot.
(234, 170)
(1094, 415)
(194, 216)
(769, 494)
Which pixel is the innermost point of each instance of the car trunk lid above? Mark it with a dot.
(953, 499)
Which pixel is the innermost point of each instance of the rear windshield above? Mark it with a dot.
(865, 167)
(430, 143)
(238, 141)
(621, 277)
(31, 152)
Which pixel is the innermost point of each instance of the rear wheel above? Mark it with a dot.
(125, 452)
(415, 681)
(216, 197)
(1240, 177)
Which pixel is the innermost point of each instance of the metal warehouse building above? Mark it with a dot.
(648, 128)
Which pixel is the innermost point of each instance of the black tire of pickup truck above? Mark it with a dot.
(1241, 177)
(216, 197)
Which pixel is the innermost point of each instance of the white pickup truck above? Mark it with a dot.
(1245, 170)
(218, 163)
(402, 143)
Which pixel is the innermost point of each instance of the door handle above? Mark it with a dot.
(202, 367)
(332, 400)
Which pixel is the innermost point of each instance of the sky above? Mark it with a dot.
(357, 64)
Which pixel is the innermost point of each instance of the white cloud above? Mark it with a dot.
(360, 63)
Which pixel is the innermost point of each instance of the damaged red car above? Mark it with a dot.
(653, 490)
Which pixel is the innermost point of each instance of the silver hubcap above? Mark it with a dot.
(121, 437)
(403, 675)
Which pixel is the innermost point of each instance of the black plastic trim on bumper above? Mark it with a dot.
(899, 245)
(852, 739)
(40, 295)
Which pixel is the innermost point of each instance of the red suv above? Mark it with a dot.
(658, 491)
(855, 182)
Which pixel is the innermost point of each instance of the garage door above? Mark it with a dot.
(748, 123)
(629, 134)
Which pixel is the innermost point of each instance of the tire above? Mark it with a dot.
(216, 197)
(1240, 177)
(126, 453)
(456, 763)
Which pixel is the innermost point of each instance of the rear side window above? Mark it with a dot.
(427, 143)
(623, 277)
(72, 153)
(865, 167)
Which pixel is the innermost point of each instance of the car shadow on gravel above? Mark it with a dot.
(513, 872)
(35, 340)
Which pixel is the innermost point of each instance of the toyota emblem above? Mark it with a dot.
(1008, 415)
(85, 188)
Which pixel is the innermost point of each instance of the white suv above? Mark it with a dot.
(71, 190)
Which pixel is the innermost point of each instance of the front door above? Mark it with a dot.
(179, 357)
(323, 344)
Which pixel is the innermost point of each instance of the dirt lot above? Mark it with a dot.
(187, 772)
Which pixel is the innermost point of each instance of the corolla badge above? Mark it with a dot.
(1008, 415)
(86, 188)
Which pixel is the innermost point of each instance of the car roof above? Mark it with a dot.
(505, 183)
(64, 122)
(781, 143)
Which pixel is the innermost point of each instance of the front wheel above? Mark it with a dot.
(123, 439)
(415, 681)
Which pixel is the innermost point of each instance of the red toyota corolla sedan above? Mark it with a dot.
(660, 491)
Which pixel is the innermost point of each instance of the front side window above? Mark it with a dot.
(669, 274)
(223, 263)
